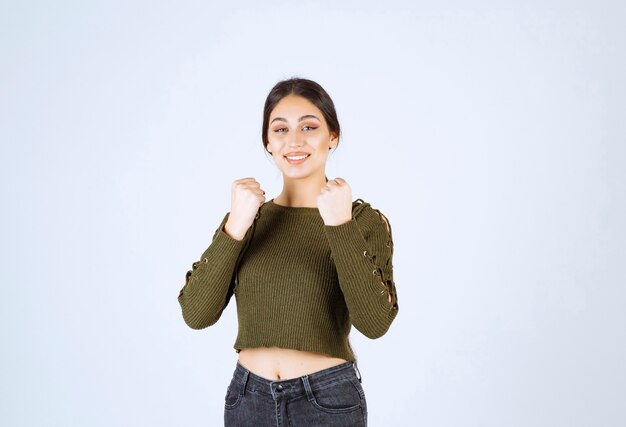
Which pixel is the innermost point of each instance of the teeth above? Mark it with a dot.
(298, 157)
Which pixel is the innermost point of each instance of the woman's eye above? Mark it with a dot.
(279, 130)
(310, 127)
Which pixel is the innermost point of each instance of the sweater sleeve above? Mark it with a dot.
(362, 251)
(209, 284)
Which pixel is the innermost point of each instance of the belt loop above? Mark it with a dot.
(356, 370)
(244, 381)
(307, 387)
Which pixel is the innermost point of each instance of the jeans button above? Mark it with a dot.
(279, 387)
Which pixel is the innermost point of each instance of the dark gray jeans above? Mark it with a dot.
(330, 397)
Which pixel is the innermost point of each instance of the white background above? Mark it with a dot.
(491, 134)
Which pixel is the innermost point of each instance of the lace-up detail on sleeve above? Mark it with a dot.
(384, 267)
(209, 284)
(363, 250)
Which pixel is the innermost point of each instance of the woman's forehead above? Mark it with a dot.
(295, 109)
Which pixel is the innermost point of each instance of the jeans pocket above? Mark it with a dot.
(337, 398)
(233, 394)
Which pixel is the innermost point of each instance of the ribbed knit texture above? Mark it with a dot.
(298, 283)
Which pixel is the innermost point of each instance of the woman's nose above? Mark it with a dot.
(296, 140)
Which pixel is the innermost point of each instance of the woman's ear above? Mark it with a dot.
(333, 140)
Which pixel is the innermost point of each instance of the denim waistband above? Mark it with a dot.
(295, 386)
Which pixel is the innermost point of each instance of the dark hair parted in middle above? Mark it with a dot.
(307, 89)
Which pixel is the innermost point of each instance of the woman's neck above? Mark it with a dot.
(301, 193)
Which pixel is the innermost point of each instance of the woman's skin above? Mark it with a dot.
(297, 128)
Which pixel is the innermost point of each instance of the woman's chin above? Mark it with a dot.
(296, 173)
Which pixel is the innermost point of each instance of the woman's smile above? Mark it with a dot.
(296, 158)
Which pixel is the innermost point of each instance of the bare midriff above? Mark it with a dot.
(275, 363)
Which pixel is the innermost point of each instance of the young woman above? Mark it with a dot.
(304, 267)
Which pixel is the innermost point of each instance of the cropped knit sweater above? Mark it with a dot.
(298, 283)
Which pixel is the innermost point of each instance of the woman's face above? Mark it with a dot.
(298, 138)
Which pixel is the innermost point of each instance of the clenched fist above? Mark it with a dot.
(245, 200)
(335, 202)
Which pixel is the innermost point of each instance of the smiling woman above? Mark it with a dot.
(299, 140)
(296, 157)
(304, 267)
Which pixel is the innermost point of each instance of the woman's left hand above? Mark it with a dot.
(335, 202)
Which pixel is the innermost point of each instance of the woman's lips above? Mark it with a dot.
(296, 158)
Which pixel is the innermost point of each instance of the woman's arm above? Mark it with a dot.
(208, 285)
(362, 250)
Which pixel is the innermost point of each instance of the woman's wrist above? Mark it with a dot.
(233, 232)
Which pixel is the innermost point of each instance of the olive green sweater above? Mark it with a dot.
(298, 283)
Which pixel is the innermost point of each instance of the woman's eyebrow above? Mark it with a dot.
(306, 116)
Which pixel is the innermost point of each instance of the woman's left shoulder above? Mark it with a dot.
(373, 224)
(364, 213)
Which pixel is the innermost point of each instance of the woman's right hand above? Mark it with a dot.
(245, 200)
